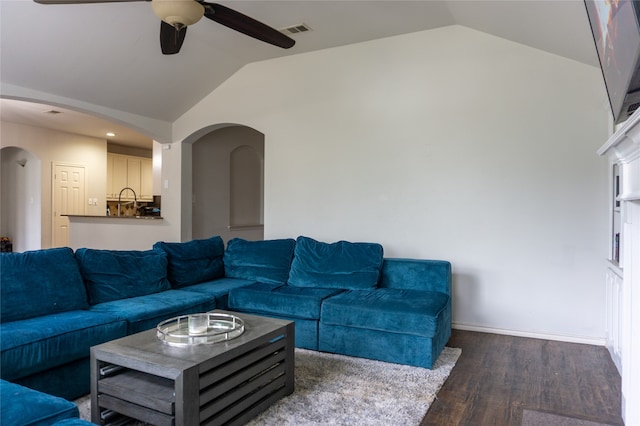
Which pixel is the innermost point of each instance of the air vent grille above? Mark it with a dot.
(295, 29)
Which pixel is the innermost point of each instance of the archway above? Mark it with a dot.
(228, 184)
(21, 198)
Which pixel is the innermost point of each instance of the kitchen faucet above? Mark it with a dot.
(135, 198)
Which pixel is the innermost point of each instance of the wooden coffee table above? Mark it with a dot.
(228, 382)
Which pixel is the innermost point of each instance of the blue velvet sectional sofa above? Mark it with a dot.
(344, 297)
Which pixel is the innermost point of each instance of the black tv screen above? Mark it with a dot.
(616, 32)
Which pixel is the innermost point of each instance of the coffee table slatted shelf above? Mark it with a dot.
(223, 383)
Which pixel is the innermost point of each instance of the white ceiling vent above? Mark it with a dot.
(295, 29)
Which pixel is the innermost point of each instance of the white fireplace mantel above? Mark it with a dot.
(624, 144)
(623, 148)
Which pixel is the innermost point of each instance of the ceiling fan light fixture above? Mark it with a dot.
(178, 13)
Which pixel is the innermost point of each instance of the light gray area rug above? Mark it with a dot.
(340, 390)
(540, 418)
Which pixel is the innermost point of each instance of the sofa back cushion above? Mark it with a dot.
(342, 264)
(417, 274)
(119, 274)
(264, 261)
(193, 262)
(40, 282)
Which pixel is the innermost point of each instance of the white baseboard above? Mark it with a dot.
(544, 336)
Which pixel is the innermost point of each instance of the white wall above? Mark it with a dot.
(449, 144)
(51, 146)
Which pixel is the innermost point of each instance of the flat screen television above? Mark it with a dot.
(615, 26)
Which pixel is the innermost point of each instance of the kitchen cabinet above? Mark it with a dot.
(146, 178)
(116, 174)
(129, 171)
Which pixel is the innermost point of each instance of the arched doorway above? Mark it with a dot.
(21, 198)
(228, 184)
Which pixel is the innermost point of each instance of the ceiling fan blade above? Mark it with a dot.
(246, 25)
(171, 38)
(82, 1)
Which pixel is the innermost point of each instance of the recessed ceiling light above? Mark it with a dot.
(111, 134)
(53, 112)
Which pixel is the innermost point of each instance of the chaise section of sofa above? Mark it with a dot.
(406, 319)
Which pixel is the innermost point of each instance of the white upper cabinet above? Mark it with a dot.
(129, 171)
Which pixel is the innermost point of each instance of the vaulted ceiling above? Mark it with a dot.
(107, 55)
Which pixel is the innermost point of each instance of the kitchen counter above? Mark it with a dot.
(119, 233)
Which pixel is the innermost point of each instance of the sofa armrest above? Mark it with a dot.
(416, 274)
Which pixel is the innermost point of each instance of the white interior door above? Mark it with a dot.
(68, 198)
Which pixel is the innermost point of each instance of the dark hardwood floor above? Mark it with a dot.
(497, 377)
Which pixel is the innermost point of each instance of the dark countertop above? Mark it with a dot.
(115, 217)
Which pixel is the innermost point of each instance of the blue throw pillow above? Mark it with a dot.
(264, 261)
(193, 262)
(346, 265)
(119, 274)
(40, 282)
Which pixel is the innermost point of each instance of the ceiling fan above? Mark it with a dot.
(176, 15)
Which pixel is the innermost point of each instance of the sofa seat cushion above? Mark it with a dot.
(264, 261)
(40, 282)
(193, 262)
(28, 407)
(284, 300)
(392, 310)
(343, 264)
(38, 344)
(116, 274)
(219, 289)
(145, 312)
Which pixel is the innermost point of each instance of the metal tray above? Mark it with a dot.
(219, 328)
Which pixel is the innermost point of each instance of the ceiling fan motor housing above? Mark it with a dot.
(178, 13)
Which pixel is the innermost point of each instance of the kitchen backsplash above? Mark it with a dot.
(143, 208)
